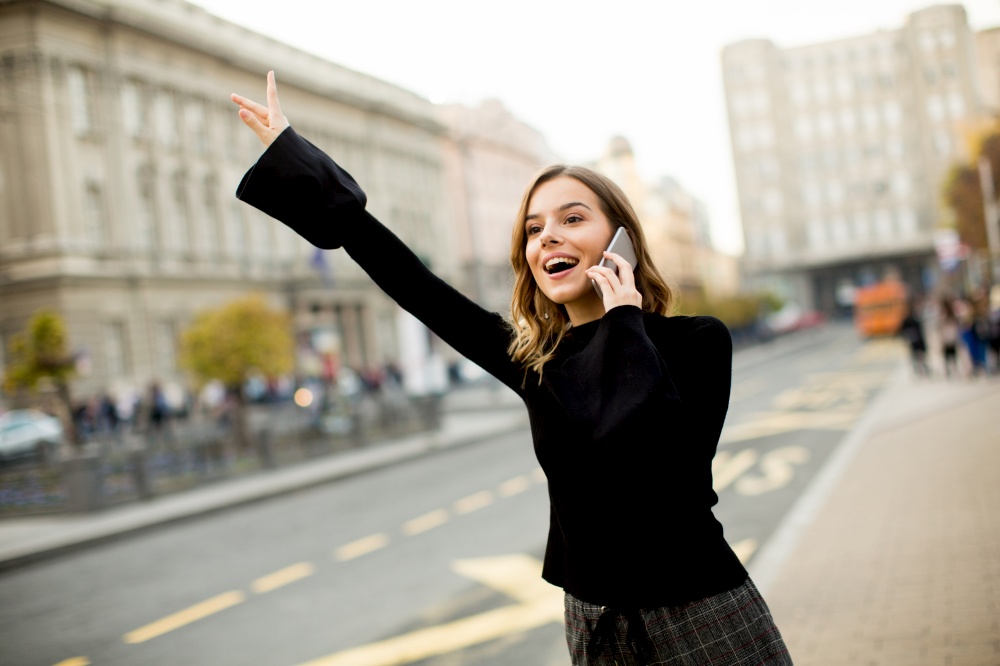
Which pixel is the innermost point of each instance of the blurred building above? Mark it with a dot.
(840, 149)
(676, 226)
(121, 153)
(988, 66)
(490, 158)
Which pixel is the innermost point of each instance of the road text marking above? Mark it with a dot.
(428, 521)
(74, 661)
(726, 467)
(282, 577)
(362, 547)
(181, 618)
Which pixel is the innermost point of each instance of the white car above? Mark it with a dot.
(26, 433)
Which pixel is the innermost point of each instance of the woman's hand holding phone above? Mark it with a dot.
(267, 122)
(615, 289)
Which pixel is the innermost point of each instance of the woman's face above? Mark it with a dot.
(567, 233)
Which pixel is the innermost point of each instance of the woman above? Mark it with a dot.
(626, 404)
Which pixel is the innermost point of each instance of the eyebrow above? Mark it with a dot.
(565, 206)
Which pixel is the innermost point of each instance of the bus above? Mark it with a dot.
(880, 308)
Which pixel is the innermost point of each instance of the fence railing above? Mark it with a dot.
(129, 465)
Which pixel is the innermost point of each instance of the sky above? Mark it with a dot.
(581, 72)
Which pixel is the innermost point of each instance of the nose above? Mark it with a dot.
(549, 235)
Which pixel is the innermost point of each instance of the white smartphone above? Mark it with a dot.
(621, 244)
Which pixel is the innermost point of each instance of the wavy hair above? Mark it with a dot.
(539, 324)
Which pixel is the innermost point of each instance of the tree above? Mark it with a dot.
(963, 193)
(39, 355)
(234, 342)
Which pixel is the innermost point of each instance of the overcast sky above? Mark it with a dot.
(581, 72)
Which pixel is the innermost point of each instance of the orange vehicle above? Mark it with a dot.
(879, 309)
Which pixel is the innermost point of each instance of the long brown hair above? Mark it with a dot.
(539, 324)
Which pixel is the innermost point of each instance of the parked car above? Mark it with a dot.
(29, 433)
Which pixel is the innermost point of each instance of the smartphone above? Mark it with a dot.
(621, 244)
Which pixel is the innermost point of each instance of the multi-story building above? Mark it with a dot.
(120, 153)
(840, 149)
(490, 158)
(676, 227)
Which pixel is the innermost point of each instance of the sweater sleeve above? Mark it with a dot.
(297, 183)
(617, 375)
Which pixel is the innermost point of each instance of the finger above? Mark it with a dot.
(273, 106)
(625, 269)
(606, 278)
(263, 132)
(257, 109)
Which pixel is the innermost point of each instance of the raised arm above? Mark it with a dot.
(298, 184)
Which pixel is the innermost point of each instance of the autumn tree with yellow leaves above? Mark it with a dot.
(230, 344)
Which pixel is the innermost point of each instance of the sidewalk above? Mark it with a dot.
(470, 416)
(893, 555)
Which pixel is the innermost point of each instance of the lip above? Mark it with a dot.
(560, 275)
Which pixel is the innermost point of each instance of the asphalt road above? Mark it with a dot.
(431, 562)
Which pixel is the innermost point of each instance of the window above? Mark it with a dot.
(907, 221)
(883, 224)
(166, 347)
(892, 114)
(166, 119)
(195, 125)
(838, 231)
(179, 231)
(80, 101)
(956, 105)
(134, 111)
(210, 212)
(816, 234)
(94, 223)
(115, 349)
(869, 116)
(848, 121)
(146, 219)
(862, 230)
(235, 235)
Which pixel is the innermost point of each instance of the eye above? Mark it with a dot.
(574, 218)
(533, 229)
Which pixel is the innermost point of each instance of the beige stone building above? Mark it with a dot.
(119, 156)
(988, 69)
(676, 226)
(840, 149)
(490, 158)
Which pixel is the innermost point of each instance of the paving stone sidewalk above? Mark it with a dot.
(899, 563)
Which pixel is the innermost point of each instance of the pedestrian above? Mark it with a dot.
(626, 402)
(911, 329)
(948, 329)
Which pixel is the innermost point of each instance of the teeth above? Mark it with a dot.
(561, 260)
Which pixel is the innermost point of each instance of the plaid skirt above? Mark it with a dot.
(728, 629)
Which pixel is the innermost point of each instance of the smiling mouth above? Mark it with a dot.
(560, 264)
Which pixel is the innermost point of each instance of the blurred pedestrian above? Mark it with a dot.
(912, 330)
(948, 330)
(626, 401)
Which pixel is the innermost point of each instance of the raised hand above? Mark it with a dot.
(267, 122)
(616, 289)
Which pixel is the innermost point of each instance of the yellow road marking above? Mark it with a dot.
(428, 521)
(282, 577)
(775, 423)
(778, 469)
(726, 467)
(184, 617)
(744, 549)
(539, 476)
(74, 661)
(362, 547)
(513, 486)
(445, 638)
(474, 502)
(517, 575)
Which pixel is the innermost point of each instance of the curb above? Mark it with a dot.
(103, 527)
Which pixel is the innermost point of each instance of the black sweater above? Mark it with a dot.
(625, 420)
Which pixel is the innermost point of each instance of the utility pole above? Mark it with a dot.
(991, 211)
